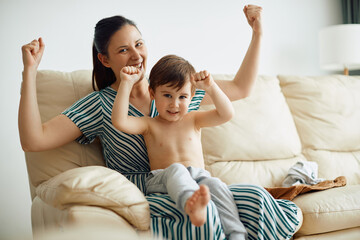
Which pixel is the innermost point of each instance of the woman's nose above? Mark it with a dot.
(135, 54)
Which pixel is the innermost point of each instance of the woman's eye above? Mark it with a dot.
(123, 50)
(139, 44)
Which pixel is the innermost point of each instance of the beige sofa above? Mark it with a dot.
(286, 119)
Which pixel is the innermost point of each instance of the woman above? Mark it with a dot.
(118, 43)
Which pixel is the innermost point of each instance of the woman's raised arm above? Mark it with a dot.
(241, 85)
(34, 135)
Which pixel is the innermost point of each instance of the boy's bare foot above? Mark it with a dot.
(195, 206)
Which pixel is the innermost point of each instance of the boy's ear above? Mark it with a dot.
(152, 94)
(103, 59)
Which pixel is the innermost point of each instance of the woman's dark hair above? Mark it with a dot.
(102, 76)
(171, 70)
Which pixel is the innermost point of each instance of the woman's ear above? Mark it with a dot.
(103, 59)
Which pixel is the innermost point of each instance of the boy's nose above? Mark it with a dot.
(174, 103)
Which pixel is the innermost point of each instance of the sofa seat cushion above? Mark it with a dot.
(346, 234)
(329, 210)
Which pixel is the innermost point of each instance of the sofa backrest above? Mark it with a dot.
(56, 91)
(300, 118)
(260, 144)
(326, 111)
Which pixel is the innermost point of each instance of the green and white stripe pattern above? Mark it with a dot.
(263, 216)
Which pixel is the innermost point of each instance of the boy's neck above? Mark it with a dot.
(164, 121)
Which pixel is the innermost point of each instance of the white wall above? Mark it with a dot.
(212, 34)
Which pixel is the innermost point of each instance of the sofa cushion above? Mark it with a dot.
(329, 210)
(346, 234)
(45, 217)
(336, 164)
(326, 110)
(97, 186)
(264, 173)
(55, 92)
(261, 131)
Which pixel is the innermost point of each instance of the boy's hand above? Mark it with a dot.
(202, 80)
(253, 16)
(130, 74)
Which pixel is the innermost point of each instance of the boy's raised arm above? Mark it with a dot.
(119, 116)
(223, 111)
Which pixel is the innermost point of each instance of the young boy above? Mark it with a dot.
(173, 139)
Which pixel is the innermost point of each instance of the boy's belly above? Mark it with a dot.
(162, 161)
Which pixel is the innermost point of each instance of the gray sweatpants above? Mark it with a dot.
(181, 182)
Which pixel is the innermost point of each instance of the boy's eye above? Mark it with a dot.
(183, 97)
(167, 95)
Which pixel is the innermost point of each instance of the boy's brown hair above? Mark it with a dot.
(173, 71)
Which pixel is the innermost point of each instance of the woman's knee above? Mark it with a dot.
(253, 191)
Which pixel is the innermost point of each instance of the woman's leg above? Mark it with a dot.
(225, 204)
(170, 223)
(263, 216)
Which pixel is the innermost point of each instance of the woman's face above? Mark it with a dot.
(126, 48)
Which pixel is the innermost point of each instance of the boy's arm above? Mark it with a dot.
(119, 116)
(223, 111)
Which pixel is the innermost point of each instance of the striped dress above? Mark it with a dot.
(263, 216)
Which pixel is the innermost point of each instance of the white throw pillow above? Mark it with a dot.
(97, 186)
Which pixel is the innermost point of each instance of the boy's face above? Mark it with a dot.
(172, 103)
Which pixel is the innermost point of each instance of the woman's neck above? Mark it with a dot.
(139, 96)
(140, 90)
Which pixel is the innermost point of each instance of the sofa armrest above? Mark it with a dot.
(47, 219)
(97, 186)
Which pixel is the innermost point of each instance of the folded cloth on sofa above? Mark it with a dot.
(303, 172)
(289, 193)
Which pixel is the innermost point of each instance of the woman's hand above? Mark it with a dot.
(32, 53)
(130, 74)
(202, 80)
(253, 16)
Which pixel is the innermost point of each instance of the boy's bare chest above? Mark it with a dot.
(174, 133)
(174, 143)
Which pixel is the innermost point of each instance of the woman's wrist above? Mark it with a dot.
(29, 73)
(257, 34)
(125, 84)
